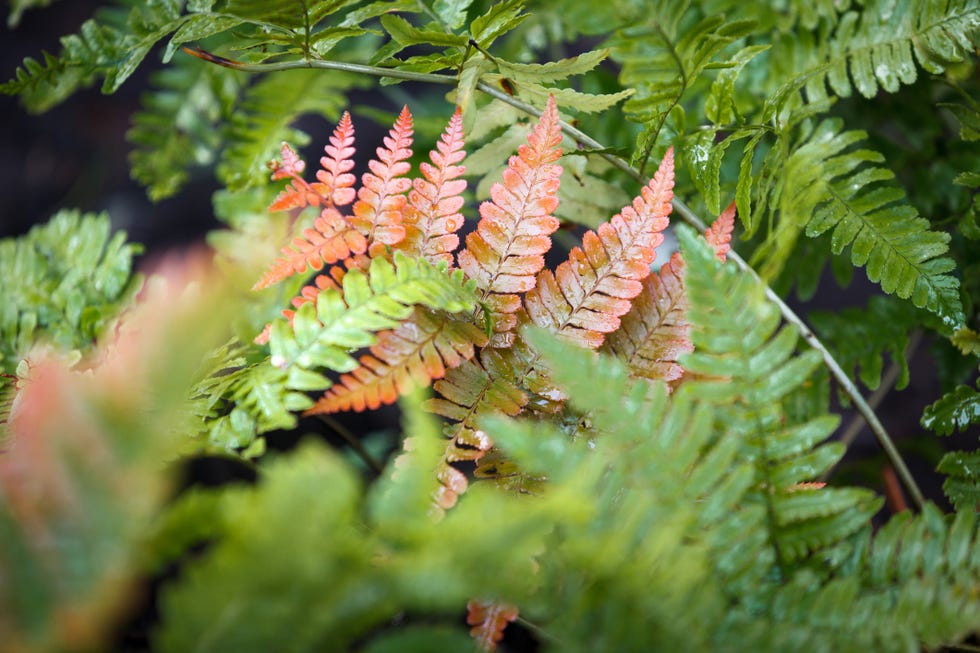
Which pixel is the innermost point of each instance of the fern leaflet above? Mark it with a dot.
(506, 251)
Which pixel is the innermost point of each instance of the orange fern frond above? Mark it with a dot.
(381, 198)
(330, 240)
(432, 215)
(589, 292)
(719, 234)
(505, 253)
(656, 333)
(335, 181)
(489, 620)
(422, 348)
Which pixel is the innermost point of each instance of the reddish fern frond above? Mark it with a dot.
(381, 198)
(505, 253)
(719, 234)
(422, 348)
(655, 332)
(334, 186)
(432, 215)
(298, 193)
(489, 620)
(330, 240)
(335, 180)
(589, 292)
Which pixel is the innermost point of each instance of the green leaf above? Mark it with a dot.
(501, 18)
(179, 124)
(826, 187)
(553, 70)
(407, 34)
(955, 410)
(452, 12)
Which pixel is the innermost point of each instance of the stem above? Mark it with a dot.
(680, 208)
(354, 443)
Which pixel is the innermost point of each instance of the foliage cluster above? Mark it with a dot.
(646, 451)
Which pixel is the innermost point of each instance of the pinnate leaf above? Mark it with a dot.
(506, 251)
(432, 215)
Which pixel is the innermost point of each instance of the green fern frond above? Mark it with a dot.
(262, 120)
(663, 58)
(111, 47)
(955, 410)
(874, 48)
(748, 369)
(860, 338)
(323, 333)
(178, 125)
(826, 186)
(64, 282)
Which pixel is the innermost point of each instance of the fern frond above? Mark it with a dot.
(590, 291)
(876, 46)
(489, 619)
(419, 350)
(662, 58)
(506, 251)
(334, 181)
(962, 483)
(177, 126)
(331, 239)
(719, 234)
(261, 122)
(381, 198)
(111, 48)
(64, 282)
(656, 333)
(827, 187)
(432, 215)
(861, 338)
(737, 343)
(955, 410)
(323, 333)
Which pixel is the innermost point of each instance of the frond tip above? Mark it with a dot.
(590, 291)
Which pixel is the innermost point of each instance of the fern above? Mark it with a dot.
(861, 338)
(827, 187)
(729, 314)
(505, 252)
(381, 198)
(64, 283)
(876, 46)
(322, 333)
(431, 218)
(656, 332)
(662, 58)
(178, 126)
